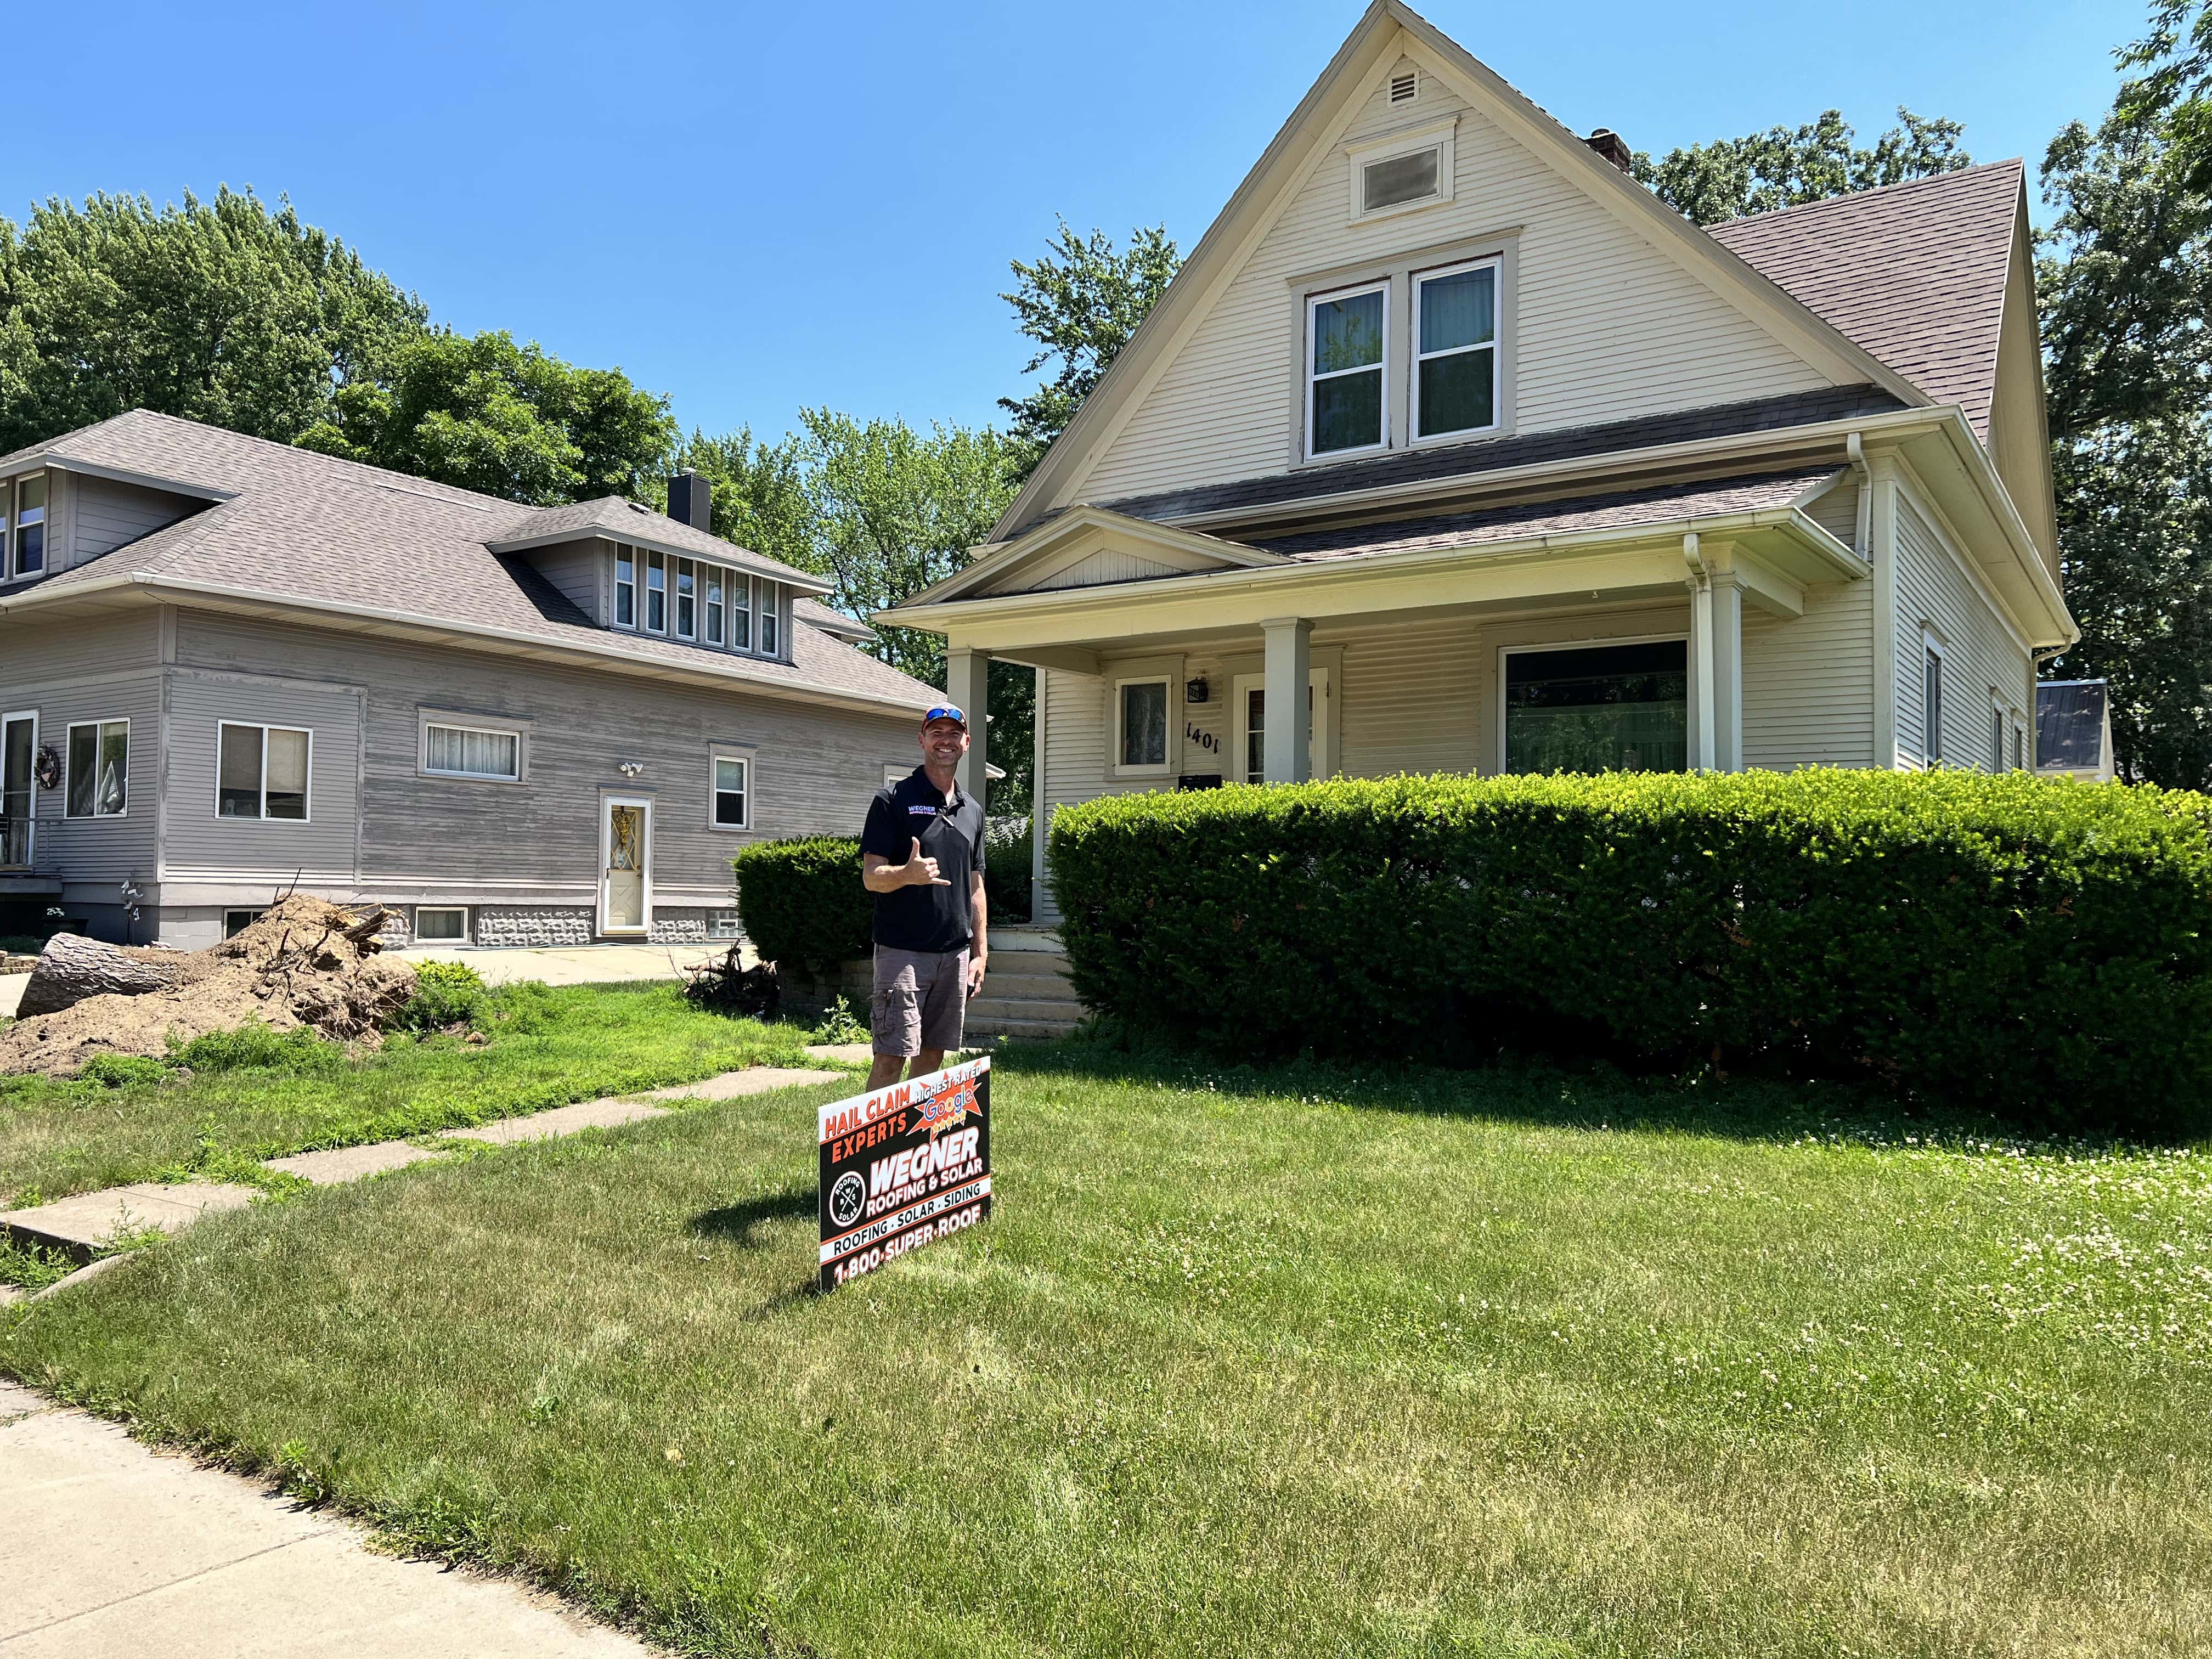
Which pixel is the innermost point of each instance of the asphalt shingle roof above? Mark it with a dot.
(1625, 509)
(310, 528)
(1915, 273)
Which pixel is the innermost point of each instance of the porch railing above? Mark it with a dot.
(15, 832)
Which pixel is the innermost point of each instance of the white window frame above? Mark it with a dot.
(1600, 642)
(1932, 653)
(768, 621)
(1321, 737)
(11, 528)
(69, 730)
(741, 605)
(716, 920)
(625, 553)
(460, 910)
(1997, 724)
(713, 606)
(2022, 760)
(1314, 301)
(308, 789)
(1439, 136)
(476, 723)
(1495, 346)
(720, 753)
(678, 570)
(656, 564)
(1155, 672)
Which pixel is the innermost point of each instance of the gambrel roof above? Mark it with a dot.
(1914, 272)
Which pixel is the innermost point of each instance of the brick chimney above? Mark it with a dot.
(1614, 148)
(691, 500)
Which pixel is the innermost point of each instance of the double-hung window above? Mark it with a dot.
(771, 604)
(1996, 739)
(1142, 740)
(1931, 706)
(687, 600)
(1345, 365)
(1456, 354)
(261, 772)
(23, 526)
(714, 605)
(732, 781)
(741, 613)
(472, 751)
(656, 593)
(99, 783)
(625, 587)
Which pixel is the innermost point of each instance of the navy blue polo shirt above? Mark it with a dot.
(931, 920)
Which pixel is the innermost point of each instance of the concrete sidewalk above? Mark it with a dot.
(570, 964)
(115, 1551)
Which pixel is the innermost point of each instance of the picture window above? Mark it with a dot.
(1399, 179)
(261, 772)
(98, 779)
(1598, 708)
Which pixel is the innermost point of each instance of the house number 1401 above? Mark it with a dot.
(1205, 740)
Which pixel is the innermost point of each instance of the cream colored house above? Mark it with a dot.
(1452, 426)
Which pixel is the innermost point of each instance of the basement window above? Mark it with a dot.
(723, 924)
(444, 924)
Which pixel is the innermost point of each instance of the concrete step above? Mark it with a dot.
(1034, 1031)
(1044, 987)
(1025, 1007)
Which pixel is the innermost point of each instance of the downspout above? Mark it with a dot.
(1701, 641)
(1865, 492)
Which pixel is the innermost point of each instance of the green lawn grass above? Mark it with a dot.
(548, 1047)
(1511, 1363)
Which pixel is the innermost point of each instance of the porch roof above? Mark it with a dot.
(1619, 510)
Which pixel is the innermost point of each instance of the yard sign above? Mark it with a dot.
(903, 1166)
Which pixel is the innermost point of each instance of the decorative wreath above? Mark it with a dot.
(48, 769)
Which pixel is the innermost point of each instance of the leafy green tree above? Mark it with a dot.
(1760, 172)
(484, 413)
(2125, 285)
(221, 311)
(759, 490)
(1081, 302)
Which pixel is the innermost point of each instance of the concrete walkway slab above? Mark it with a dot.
(733, 1085)
(561, 1121)
(857, 1053)
(115, 1550)
(570, 964)
(91, 1221)
(342, 1164)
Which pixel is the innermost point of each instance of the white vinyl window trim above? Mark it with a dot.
(442, 924)
(728, 791)
(771, 618)
(1438, 135)
(107, 793)
(625, 586)
(482, 754)
(1165, 765)
(260, 750)
(1931, 700)
(1379, 368)
(1494, 347)
(1321, 745)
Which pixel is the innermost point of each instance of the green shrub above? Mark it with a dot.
(299, 1051)
(2042, 949)
(120, 1071)
(801, 901)
(446, 994)
(1008, 869)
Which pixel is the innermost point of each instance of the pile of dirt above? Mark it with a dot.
(304, 962)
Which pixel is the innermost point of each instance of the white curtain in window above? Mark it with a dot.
(480, 754)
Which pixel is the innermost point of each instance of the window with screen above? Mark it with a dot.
(1456, 353)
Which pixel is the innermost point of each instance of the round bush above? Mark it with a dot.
(801, 901)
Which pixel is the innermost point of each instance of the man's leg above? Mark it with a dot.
(894, 1016)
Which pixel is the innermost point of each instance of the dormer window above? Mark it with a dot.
(656, 594)
(1345, 335)
(23, 525)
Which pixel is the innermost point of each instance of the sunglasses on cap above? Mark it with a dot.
(946, 711)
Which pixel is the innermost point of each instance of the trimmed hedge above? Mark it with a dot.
(2042, 949)
(801, 901)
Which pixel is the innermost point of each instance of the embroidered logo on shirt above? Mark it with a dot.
(925, 812)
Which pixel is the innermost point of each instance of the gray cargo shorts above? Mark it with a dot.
(920, 1001)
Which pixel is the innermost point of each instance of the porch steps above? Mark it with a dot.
(1025, 989)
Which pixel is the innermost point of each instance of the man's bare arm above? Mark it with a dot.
(879, 875)
(978, 947)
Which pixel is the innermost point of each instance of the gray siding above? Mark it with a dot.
(443, 837)
(575, 568)
(198, 843)
(71, 673)
(105, 515)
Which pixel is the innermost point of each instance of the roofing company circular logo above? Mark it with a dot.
(846, 1197)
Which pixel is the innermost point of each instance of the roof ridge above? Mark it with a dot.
(1925, 182)
(293, 451)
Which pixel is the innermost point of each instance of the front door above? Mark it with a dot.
(625, 866)
(19, 741)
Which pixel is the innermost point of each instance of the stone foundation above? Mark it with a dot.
(531, 924)
(673, 927)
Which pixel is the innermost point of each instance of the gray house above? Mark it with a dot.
(230, 667)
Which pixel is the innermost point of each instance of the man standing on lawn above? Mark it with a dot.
(929, 904)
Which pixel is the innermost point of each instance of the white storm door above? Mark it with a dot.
(625, 866)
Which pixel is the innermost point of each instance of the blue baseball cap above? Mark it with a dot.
(946, 711)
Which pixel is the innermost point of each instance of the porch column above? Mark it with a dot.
(1284, 752)
(1703, 735)
(967, 682)
(1728, 670)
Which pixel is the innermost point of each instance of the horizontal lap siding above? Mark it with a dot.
(1809, 681)
(575, 568)
(1980, 660)
(98, 849)
(106, 515)
(1608, 327)
(200, 842)
(816, 769)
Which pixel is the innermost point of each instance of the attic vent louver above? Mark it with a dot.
(1403, 87)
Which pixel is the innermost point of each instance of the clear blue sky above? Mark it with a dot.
(751, 208)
